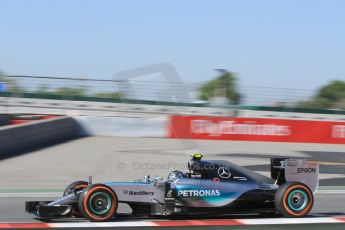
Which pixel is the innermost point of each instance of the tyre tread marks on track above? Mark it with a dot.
(175, 223)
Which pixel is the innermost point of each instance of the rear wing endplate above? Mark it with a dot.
(303, 171)
(295, 170)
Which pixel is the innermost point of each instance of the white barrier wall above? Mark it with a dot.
(122, 126)
(14, 105)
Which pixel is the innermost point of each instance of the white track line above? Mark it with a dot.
(274, 221)
(270, 221)
(30, 194)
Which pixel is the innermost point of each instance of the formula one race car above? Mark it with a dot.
(210, 187)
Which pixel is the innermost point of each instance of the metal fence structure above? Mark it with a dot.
(272, 96)
(150, 90)
(108, 97)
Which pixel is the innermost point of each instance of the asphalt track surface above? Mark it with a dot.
(124, 159)
(326, 205)
(30, 176)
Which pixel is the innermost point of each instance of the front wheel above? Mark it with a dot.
(74, 188)
(98, 202)
(294, 199)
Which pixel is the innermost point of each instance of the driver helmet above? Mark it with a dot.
(197, 156)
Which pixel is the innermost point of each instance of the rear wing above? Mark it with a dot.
(298, 170)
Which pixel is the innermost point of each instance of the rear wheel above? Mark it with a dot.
(98, 202)
(72, 188)
(294, 199)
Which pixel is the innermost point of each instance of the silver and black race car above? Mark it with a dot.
(210, 187)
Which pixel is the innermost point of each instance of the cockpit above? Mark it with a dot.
(199, 169)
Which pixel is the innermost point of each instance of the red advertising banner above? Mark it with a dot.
(256, 129)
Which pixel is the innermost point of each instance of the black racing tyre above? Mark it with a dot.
(98, 202)
(294, 199)
(72, 188)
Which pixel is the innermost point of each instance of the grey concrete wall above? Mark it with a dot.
(5, 119)
(21, 138)
(18, 139)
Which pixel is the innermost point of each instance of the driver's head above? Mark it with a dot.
(194, 163)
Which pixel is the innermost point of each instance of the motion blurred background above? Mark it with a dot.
(120, 89)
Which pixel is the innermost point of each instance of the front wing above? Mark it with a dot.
(44, 211)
